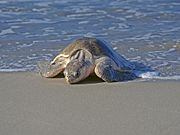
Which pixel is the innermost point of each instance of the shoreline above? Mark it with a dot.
(30, 104)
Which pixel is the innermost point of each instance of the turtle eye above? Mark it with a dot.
(75, 74)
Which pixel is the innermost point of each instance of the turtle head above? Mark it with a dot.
(76, 71)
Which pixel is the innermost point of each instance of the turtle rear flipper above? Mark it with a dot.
(107, 70)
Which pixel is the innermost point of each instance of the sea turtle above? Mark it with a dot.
(86, 56)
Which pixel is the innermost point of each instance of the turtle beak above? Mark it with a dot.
(68, 80)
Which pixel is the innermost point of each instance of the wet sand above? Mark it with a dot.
(31, 105)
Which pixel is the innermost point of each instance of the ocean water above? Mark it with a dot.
(144, 31)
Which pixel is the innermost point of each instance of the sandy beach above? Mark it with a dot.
(32, 105)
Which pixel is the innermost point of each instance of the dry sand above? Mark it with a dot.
(31, 105)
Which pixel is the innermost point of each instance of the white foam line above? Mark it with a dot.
(166, 77)
(13, 70)
(155, 75)
(6, 31)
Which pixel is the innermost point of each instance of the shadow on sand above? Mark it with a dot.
(92, 79)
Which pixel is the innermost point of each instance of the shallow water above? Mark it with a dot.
(142, 31)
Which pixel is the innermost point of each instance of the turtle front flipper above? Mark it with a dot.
(107, 70)
(51, 69)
